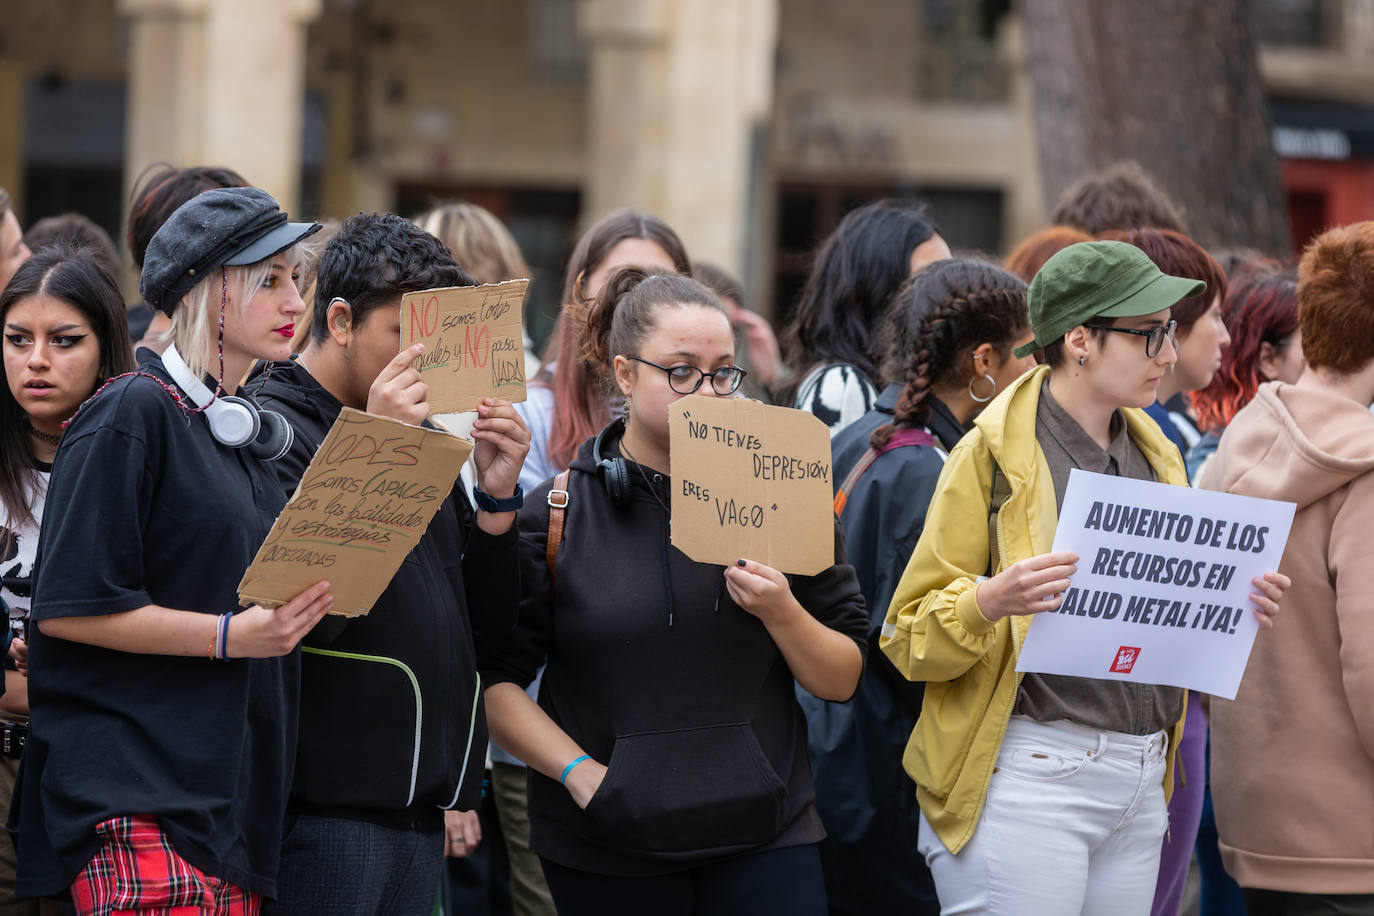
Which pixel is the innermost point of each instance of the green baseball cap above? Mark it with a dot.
(1098, 280)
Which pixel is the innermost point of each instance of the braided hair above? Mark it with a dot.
(935, 320)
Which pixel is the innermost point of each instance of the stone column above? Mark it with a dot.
(1024, 212)
(675, 90)
(219, 82)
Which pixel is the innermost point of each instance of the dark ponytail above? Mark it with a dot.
(936, 320)
(625, 312)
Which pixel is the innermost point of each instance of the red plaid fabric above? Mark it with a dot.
(137, 871)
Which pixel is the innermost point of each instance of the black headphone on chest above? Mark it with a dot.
(615, 474)
(234, 421)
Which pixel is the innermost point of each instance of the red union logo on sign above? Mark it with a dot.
(1125, 659)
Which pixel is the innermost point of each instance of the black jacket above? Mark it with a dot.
(886, 510)
(654, 671)
(391, 727)
(864, 797)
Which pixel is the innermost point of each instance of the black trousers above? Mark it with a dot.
(781, 882)
(1260, 902)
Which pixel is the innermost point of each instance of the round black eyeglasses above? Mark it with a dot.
(686, 379)
(1154, 337)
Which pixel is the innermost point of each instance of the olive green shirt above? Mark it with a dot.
(1118, 706)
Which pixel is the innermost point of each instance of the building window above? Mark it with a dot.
(959, 59)
(1295, 23)
(558, 51)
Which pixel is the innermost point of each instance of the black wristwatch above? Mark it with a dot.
(488, 503)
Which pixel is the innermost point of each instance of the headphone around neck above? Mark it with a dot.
(615, 474)
(234, 421)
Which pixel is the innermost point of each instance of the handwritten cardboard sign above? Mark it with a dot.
(367, 497)
(473, 340)
(751, 481)
(1161, 595)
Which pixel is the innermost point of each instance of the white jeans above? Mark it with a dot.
(1073, 824)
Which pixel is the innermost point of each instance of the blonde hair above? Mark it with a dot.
(195, 322)
(311, 249)
(479, 241)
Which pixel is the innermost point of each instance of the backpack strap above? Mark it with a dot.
(558, 509)
(898, 439)
(1001, 491)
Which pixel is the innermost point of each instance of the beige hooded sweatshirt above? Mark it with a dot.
(1293, 755)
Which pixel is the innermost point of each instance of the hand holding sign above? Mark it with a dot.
(398, 391)
(1271, 587)
(760, 590)
(501, 442)
(1030, 586)
(473, 340)
(1168, 585)
(264, 632)
(751, 481)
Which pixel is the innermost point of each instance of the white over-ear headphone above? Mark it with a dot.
(235, 422)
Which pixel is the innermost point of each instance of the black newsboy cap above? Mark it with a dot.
(219, 228)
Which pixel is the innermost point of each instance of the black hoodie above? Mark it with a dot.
(391, 728)
(654, 671)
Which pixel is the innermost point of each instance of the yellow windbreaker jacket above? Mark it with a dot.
(935, 632)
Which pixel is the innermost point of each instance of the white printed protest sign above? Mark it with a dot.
(1161, 595)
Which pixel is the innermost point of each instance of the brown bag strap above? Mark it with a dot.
(558, 509)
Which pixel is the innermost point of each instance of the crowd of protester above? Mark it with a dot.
(667, 737)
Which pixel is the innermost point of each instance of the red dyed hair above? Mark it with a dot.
(1261, 307)
(1027, 258)
(579, 400)
(1179, 256)
(1336, 298)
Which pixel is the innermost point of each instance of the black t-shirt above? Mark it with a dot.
(144, 507)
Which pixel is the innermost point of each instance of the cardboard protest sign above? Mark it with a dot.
(1161, 595)
(363, 503)
(473, 340)
(751, 481)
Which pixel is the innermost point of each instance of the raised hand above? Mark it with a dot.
(398, 391)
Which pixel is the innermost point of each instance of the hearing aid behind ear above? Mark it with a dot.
(340, 321)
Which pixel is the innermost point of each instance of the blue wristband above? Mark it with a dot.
(568, 769)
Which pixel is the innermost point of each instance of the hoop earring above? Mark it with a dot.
(991, 393)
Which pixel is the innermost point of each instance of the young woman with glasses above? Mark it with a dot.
(1200, 339)
(667, 751)
(1042, 793)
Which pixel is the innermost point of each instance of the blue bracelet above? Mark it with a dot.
(568, 769)
(222, 647)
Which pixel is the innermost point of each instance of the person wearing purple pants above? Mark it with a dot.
(1185, 810)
